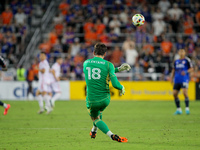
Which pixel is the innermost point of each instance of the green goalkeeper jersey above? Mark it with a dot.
(98, 73)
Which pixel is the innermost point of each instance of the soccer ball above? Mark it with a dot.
(138, 20)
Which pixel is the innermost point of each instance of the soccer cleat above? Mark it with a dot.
(178, 112)
(93, 135)
(49, 111)
(187, 112)
(6, 109)
(40, 111)
(118, 138)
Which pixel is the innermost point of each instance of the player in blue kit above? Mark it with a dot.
(180, 77)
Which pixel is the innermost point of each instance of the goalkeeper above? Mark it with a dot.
(98, 72)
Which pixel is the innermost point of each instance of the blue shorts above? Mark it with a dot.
(178, 86)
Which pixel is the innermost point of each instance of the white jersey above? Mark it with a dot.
(44, 78)
(56, 67)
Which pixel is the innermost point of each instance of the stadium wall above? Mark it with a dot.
(76, 90)
(148, 90)
(10, 90)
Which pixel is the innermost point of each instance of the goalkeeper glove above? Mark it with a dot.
(123, 67)
(121, 92)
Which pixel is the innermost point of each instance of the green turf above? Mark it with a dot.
(147, 125)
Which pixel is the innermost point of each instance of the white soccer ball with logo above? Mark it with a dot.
(138, 20)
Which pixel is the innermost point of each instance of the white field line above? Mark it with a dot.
(51, 128)
(89, 129)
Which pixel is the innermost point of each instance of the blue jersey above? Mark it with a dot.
(181, 65)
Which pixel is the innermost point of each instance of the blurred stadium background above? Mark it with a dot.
(70, 29)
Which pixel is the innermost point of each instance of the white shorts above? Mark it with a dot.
(55, 87)
(43, 87)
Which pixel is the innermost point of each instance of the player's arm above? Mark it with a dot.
(172, 75)
(42, 70)
(123, 67)
(190, 70)
(54, 75)
(3, 64)
(115, 83)
(190, 66)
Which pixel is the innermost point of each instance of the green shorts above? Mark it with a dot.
(94, 109)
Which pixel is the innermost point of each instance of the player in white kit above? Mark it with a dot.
(55, 78)
(44, 84)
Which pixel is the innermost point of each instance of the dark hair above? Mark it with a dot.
(59, 58)
(182, 49)
(43, 53)
(100, 49)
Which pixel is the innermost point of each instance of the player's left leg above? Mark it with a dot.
(185, 93)
(56, 88)
(96, 113)
(95, 128)
(104, 128)
(6, 107)
(95, 116)
(177, 102)
(55, 98)
(50, 94)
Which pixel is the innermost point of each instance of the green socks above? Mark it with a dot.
(101, 125)
(100, 118)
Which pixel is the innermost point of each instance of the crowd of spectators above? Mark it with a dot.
(15, 17)
(149, 49)
(15, 24)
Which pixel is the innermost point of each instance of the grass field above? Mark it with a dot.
(147, 125)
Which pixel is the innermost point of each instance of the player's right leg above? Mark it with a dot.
(6, 107)
(47, 98)
(176, 90)
(40, 101)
